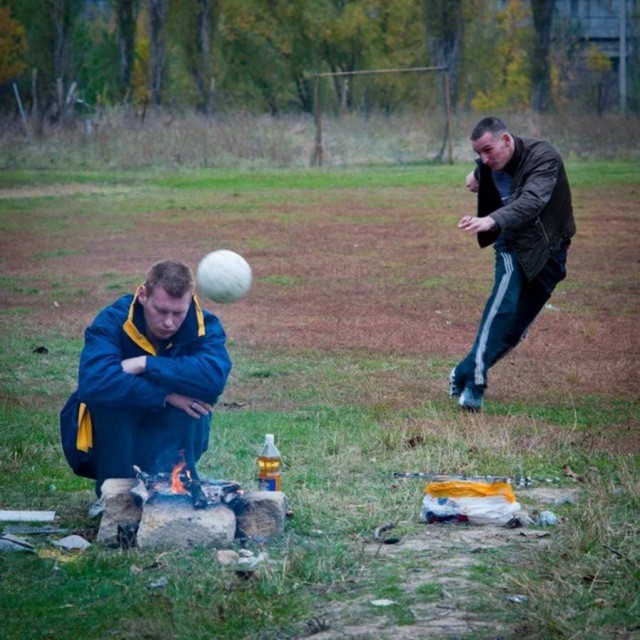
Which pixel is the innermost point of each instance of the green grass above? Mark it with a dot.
(338, 477)
(344, 421)
(584, 580)
(603, 174)
(238, 182)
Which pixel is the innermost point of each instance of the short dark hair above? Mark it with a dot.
(491, 125)
(174, 277)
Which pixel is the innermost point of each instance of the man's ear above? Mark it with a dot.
(142, 295)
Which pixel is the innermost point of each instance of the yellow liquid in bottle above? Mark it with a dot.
(269, 477)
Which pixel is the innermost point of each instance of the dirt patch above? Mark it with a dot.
(439, 582)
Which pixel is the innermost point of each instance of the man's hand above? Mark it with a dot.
(135, 365)
(471, 182)
(471, 224)
(191, 406)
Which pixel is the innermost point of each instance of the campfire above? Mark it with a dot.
(183, 482)
(169, 505)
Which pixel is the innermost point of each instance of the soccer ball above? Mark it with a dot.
(224, 276)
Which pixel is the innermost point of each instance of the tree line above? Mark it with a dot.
(262, 55)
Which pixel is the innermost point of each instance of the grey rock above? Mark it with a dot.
(250, 564)
(97, 508)
(122, 512)
(260, 514)
(160, 583)
(72, 543)
(227, 557)
(547, 519)
(174, 523)
(518, 598)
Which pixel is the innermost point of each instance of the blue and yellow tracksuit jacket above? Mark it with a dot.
(193, 363)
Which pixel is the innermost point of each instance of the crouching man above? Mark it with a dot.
(151, 370)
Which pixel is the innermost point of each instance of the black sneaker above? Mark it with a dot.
(471, 399)
(97, 508)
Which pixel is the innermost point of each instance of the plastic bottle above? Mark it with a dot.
(269, 476)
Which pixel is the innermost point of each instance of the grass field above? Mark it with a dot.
(365, 294)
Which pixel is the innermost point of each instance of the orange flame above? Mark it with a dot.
(177, 486)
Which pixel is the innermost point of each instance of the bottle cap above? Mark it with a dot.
(269, 438)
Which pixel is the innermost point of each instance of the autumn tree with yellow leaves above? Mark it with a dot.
(262, 55)
(13, 46)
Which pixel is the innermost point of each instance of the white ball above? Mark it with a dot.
(224, 276)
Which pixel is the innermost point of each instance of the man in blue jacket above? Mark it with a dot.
(524, 209)
(151, 370)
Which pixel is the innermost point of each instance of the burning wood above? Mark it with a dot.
(179, 476)
(184, 482)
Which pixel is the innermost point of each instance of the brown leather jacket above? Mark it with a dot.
(539, 217)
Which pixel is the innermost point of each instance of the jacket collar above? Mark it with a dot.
(512, 165)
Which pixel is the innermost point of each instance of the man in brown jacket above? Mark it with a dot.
(524, 209)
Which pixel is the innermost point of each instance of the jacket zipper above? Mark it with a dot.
(544, 231)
